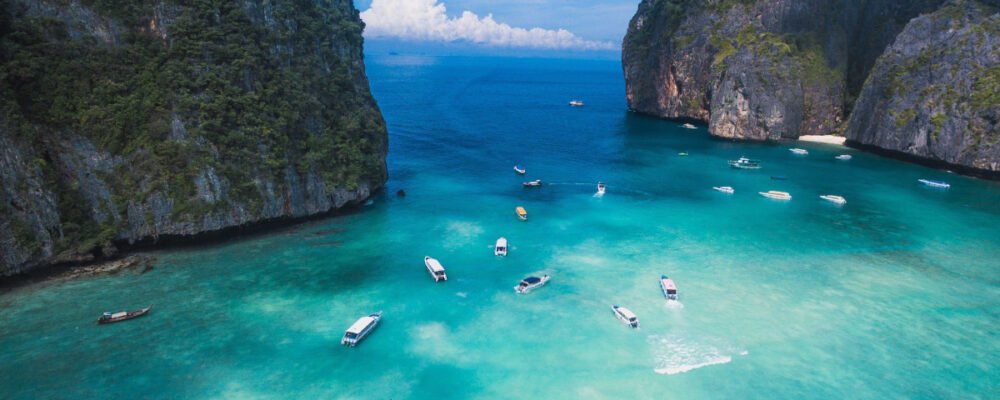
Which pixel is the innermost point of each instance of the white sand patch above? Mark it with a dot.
(828, 139)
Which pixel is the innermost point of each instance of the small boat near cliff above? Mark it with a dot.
(774, 194)
(531, 283)
(522, 214)
(834, 199)
(668, 287)
(626, 316)
(843, 157)
(520, 169)
(724, 189)
(435, 268)
(110, 318)
(360, 328)
(534, 183)
(801, 152)
(688, 126)
(501, 247)
(744, 163)
(935, 184)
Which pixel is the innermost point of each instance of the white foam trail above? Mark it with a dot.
(462, 294)
(674, 304)
(675, 354)
(686, 368)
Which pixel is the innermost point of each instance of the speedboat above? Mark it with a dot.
(627, 316)
(668, 287)
(520, 169)
(110, 318)
(834, 199)
(530, 283)
(534, 183)
(600, 188)
(688, 126)
(745, 163)
(725, 189)
(435, 268)
(683, 154)
(798, 151)
(774, 194)
(937, 184)
(522, 214)
(576, 103)
(501, 248)
(361, 328)
(843, 157)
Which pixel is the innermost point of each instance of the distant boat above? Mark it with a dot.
(725, 189)
(668, 287)
(436, 269)
(745, 163)
(530, 283)
(520, 169)
(110, 318)
(576, 103)
(688, 126)
(798, 151)
(501, 247)
(522, 214)
(937, 184)
(600, 188)
(361, 328)
(774, 194)
(843, 157)
(626, 315)
(834, 198)
(534, 183)
(683, 154)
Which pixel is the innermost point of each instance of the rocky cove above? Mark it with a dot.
(914, 80)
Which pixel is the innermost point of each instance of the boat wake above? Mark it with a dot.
(674, 354)
(674, 304)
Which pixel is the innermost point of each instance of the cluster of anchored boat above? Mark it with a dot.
(746, 163)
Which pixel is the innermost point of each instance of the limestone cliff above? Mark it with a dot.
(127, 121)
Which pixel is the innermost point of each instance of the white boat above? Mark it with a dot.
(530, 283)
(600, 188)
(534, 183)
(774, 194)
(725, 189)
(834, 199)
(361, 328)
(745, 163)
(937, 184)
(520, 169)
(688, 126)
(799, 151)
(435, 268)
(576, 103)
(626, 315)
(668, 287)
(843, 157)
(501, 248)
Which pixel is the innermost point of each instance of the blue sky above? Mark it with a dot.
(565, 25)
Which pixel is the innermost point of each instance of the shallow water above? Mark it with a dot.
(893, 295)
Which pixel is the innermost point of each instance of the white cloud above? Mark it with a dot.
(427, 20)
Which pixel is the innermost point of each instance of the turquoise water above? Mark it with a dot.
(894, 295)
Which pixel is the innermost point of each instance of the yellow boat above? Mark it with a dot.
(521, 213)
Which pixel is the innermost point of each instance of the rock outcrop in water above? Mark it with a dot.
(131, 121)
(772, 69)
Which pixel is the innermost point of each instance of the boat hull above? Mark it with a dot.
(126, 317)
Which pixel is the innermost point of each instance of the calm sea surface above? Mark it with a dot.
(894, 295)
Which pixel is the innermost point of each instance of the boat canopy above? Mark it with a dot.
(669, 284)
(521, 210)
(626, 313)
(119, 314)
(434, 265)
(360, 325)
(532, 279)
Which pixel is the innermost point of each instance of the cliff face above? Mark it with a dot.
(124, 121)
(935, 93)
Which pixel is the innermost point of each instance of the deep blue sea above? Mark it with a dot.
(894, 295)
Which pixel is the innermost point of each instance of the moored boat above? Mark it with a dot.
(933, 183)
(534, 183)
(520, 169)
(688, 126)
(576, 103)
(774, 194)
(724, 189)
(834, 199)
(668, 287)
(600, 188)
(110, 318)
(798, 151)
(522, 214)
(435, 268)
(501, 247)
(360, 328)
(843, 157)
(530, 283)
(745, 163)
(683, 154)
(626, 316)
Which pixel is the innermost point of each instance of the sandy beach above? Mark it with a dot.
(829, 139)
